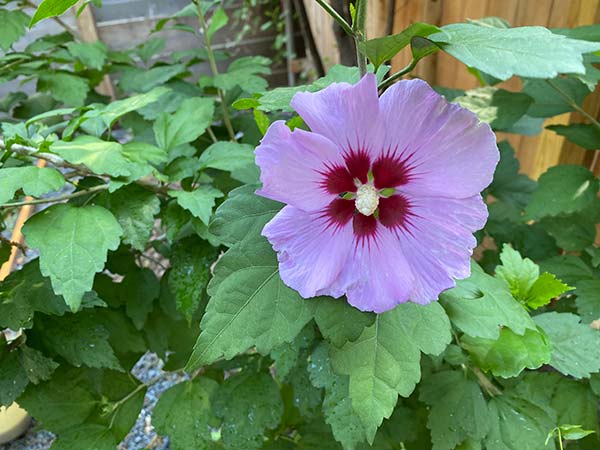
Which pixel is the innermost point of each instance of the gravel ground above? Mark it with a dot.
(142, 435)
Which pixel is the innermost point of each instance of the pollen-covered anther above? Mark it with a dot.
(367, 199)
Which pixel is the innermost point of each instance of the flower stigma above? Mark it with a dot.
(367, 199)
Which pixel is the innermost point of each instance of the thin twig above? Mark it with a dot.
(211, 133)
(573, 104)
(337, 17)
(39, 201)
(484, 382)
(213, 67)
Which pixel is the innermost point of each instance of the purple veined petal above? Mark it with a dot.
(439, 242)
(449, 152)
(377, 276)
(347, 114)
(310, 249)
(292, 167)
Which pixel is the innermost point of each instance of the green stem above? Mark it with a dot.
(574, 104)
(337, 17)
(489, 387)
(39, 201)
(213, 67)
(389, 81)
(359, 32)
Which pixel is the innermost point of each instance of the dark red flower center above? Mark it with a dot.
(388, 172)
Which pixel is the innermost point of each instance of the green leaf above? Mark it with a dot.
(51, 8)
(498, 107)
(545, 288)
(503, 52)
(89, 436)
(588, 300)
(92, 54)
(184, 414)
(262, 121)
(458, 409)
(73, 243)
(64, 87)
(79, 339)
(60, 403)
(384, 361)
(480, 305)
(191, 259)
(345, 424)
(575, 346)
(339, 322)
(510, 415)
(583, 134)
(152, 47)
(229, 156)
(25, 292)
(575, 403)
(137, 79)
(243, 214)
(572, 232)
(119, 108)
(13, 27)
(569, 268)
(249, 404)
(134, 208)
(37, 367)
(250, 306)
(563, 189)
(137, 291)
(186, 125)
(200, 202)
(34, 181)
(102, 157)
(510, 354)
(13, 379)
(244, 72)
(548, 101)
(518, 272)
(217, 21)
(383, 49)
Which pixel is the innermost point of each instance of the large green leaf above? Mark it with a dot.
(548, 101)
(92, 54)
(102, 157)
(383, 49)
(588, 299)
(563, 189)
(339, 322)
(186, 125)
(345, 424)
(509, 185)
(89, 436)
(583, 134)
(498, 107)
(33, 180)
(480, 305)
(138, 79)
(79, 339)
(250, 306)
(244, 72)
(249, 404)
(13, 27)
(200, 202)
(458, 409)
(575, 346)
(510, 415)
(184, 414)
(13, 379)
(510, 354)
(73, 243)
(51, 8)
(243, 214)
(384, 361)
(228, 156)
(119, 108)
(64, 87)
(134, 208)
(503, 52)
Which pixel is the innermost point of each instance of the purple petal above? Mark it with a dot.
(311, 252)
(377, 276)
(449, 152)
(439, 242)
(292, 166)
(344, 113)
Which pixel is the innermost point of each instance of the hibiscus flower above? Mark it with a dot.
(382, 195)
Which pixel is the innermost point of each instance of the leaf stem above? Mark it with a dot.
(39, 201)
(574, 104)
(337, 17)
(213, 67)
(390, 80)
(485, 383)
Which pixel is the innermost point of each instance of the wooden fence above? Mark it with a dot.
(536, 153)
